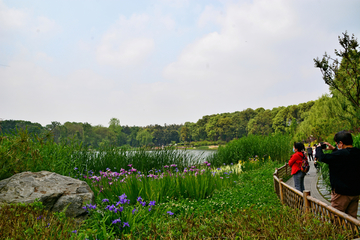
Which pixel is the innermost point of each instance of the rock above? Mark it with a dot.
(55, 191)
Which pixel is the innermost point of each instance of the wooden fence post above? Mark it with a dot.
(306, 201)
(281, 191)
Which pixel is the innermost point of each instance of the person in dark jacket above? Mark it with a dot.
(295, 164)
(310, 152)
(344, 167)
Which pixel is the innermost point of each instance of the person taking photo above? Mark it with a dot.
(344, 168)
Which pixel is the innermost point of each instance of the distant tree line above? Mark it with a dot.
(313, 119)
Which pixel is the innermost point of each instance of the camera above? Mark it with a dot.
(323, 145)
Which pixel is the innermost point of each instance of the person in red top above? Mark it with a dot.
(295, 164)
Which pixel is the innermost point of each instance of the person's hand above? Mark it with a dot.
(329, 146)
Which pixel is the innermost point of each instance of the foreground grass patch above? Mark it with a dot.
(249, 210)
(31, 221)
(261, 223)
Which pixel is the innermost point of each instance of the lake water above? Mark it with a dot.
(200, 154)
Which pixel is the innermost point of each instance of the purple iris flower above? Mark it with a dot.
(170, 213)
(152, 203)
(126, 224)
(134, 210)
(116, 221)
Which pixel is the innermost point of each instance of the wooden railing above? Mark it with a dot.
(308, 204)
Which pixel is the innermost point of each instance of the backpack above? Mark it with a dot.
(305, 167)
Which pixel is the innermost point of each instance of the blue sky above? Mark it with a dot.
(156, 62)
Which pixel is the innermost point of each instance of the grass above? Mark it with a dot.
(32, 221)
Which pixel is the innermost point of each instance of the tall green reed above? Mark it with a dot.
(141, 159)
(22, 152)
(276, 147)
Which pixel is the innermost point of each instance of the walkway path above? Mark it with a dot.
(311, 183)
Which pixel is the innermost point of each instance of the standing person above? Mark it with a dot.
(344, 166)
(310, 152)
(315, 159)
(295, 164)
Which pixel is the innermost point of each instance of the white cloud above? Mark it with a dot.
(11, 18)
(24, 22)
(125, 44)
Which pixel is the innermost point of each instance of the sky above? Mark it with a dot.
(163, 61)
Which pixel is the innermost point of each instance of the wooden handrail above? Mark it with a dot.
(294, 198)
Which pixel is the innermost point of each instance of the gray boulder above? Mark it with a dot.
(55, 191)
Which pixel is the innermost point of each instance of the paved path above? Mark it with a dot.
(310, 183)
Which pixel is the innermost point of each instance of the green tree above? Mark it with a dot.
(240, 121)
(144, 137)
(261, 124)
(115, 133)
(344, 76)
(321, 120)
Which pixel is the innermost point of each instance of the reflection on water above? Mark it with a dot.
(201, 155)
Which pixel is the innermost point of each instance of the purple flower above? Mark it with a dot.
(173, 165)
(110, 208)
(139, 199)
(170, 213)
(143, 204)
(47, 225)
(166, 166)
(105, 200)
(108, 169)
(120, 209)
(134, 210)
(152, 203)
(130, 165)
(39, 217)
(149, 209)
(126, 224)
(76, 168)
(116, 221)
(208, 164)
(218, 168)
(75, 231)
